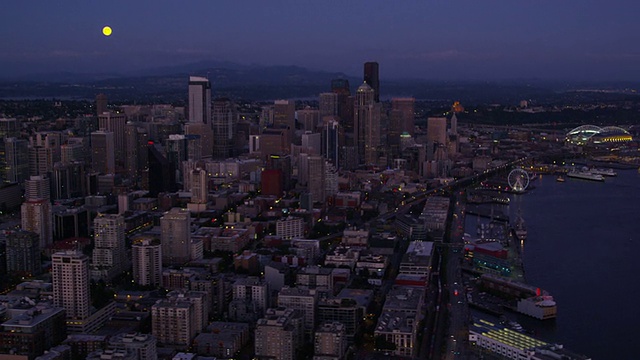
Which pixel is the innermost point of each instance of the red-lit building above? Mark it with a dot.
(271, 182)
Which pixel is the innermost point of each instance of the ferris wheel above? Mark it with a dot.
(518, 180)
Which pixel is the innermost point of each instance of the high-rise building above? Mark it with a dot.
(101, 104)
(311, 143)
(37, 187)
(40, 160)
(279, 334)
(109, 254)
(199, 100)
(17, 160)
(330, 147)
(303, 300)
(206, 137)
(253, 290)
(103, 152)
(371, 77)
(406, 107)
(8, 129)
(308, 118)
(176, 237)
(330, 341)
(36, 217)
(173, 322)
(316, 178)
(223, 124)
(147, 261)
(23, 253)
(345, 102)
(68, 180)
(284, 114)
(136, 161)
(437, 130)
(366, 124)
(115, 123)
(199, 186)
(328, 104)
(70, 278)
(71, 152)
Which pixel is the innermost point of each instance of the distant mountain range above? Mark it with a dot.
(257, 82)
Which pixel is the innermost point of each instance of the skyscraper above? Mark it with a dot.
(17, 160)
(36, 217)
(331, 142)
(406, 106)
(101, 104)
(115, 123)
(316, 178)
(199, 186)
(366, 124)
(223, 125)
(37, 187)
(147, 261)
(176, 237)
(23, 253)
(371, 77)
(103, 152)
(110, 254)
(199, 100)
(70, 278)
(328, 104)
(437, 130)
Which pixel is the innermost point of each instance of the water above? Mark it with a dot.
(582, 246)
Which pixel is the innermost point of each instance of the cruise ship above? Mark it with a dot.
(603, 172)
(585, 175)
(520, 227)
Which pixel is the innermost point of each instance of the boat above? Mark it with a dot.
(603, 172)
(560, 179)
(520, 227)
(585, 175)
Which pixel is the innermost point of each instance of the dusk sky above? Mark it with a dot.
(428, 39)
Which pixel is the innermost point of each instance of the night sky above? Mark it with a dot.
(429, 39)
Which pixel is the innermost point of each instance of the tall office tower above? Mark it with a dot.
(147, 261)
(453, 129)
(312, 143)
(282, 163)
(115, 123)
(70, 278)
(366, 125)
(328, 104)
(176, 153)
(303, 300)
(103, 152)
(371, 77)
(48, 139)
(437, 130)
(406, 106)
(37, 187)
(316, 178)
(345, 102)
(160, 178)
(176, 237)
(330, 180)
(199, 186)
(71, 152)
(109, 253)
(68, 180)
(284, 113)
(101, 104)
(206, 137)
(279, 334)
(266, 116)
(40, 160)
(330, 341)
(199, 100)
(223, 124)
(136, 140)
(9, 127)
(308, 118)
(173, 322)
(36, 217)
(331, 142)
(17, 160)
(23, 253)
(253, 290)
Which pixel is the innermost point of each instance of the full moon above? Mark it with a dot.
(106, 31)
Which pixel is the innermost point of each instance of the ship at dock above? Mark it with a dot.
(603, 172)
(585, 175)
(520, 227)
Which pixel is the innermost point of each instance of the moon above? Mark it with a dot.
(106, 31)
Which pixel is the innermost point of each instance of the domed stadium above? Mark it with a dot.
(591, 134)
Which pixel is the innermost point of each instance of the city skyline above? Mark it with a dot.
(462, 40)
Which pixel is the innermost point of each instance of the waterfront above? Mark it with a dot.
(581, 248)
